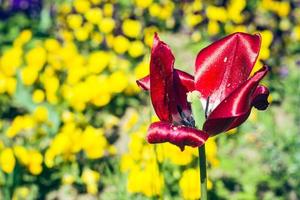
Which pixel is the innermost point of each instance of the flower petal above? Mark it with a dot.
(235, 109)
(168, 93)
(161, 80)
(144, 83)
(186, 80)
(224, 65)
(181, 136)
(260, 98)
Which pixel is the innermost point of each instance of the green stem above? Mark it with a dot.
(199, 117)
(203, 174)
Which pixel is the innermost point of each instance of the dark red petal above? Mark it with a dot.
(235, 109)
(224, 65)
(144, 83)
(181, 136)
(161, 80)
(186, 80)
(260, 98)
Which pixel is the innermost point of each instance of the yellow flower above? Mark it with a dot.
(97, 38)
(38, 96)
(170, 152)
(147, 181)
(29, 75)
(189, 184)
(74, 21)
(35, 162)
(22, 154)
(11, 84)
(41, 114)
(81, 34)
(68, 179)
(93, 142)
(36, 58)
(193, 19)
(213, 28)
(121, 44)
(98, 61)
(91, 179)
(108, 9)
(93, 15)
(10, 61)
(106, 25)
(155, 9)
(216, 13)
(82, 6)
(23, 38)
(7, 160)
(131, 28)
(136, 49)
(235, 9)
(51, 45)
(95, 2)
(143, 3)
(118, 81)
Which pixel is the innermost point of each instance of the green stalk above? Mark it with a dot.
(199, 117)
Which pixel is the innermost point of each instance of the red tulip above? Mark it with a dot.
(168, 90)
(221, 77)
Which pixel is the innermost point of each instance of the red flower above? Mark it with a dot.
(221, 77)
(168, 90)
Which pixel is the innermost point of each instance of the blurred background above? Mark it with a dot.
(73, 122)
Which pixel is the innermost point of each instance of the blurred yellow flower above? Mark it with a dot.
(82, 6)
(81, 34)
(7, 160)
(22, 154)
(143, 3)
(193, 19)
(10, 61)
(106, 25)
(91, 179)
(189, 184)
(23, 38)
(120, 44)
(41, 114)
(29, 75)
(36, 58)
(68, 179)
(136, 49)
(98, 61)
(131, 28)
(108, 9)
(35, 162)
(38, 96)
(216, 13)
(213, 27)
(94, 142)
(74, 21)
(94, 15)
(147, 181)
(118, 81)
